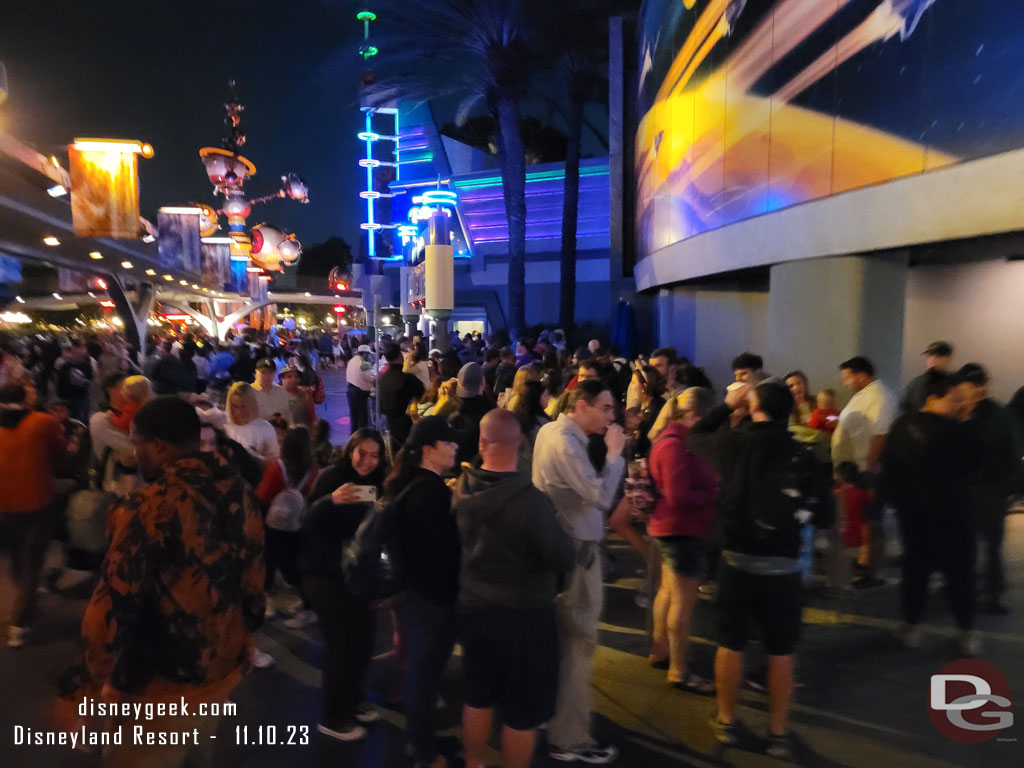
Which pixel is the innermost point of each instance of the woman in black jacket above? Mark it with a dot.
(426, 554)
(339, 501)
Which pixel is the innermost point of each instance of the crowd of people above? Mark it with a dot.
(471, 504)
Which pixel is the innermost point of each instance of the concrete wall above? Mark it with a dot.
(979, 308)
(825, 311)
(711, 326)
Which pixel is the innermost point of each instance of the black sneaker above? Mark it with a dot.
(591, 754)
(780, 746)
(868, 582)
(994, 608)
(726, 733)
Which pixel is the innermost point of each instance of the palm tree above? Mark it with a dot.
(479, 51)
(578, 36)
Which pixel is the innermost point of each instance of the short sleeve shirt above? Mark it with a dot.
(869, 413)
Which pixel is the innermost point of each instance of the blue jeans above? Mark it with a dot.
(430, 636)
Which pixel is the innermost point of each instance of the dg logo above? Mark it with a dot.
(969, 701)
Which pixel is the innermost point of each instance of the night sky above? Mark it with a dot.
(158, 71)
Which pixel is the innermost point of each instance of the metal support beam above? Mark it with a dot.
(135, 316)
(209, 323)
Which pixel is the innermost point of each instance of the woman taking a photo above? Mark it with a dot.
(687, 487)
(338, 503)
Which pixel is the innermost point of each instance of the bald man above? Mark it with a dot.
(514, 552)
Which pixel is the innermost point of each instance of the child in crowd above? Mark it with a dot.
(852, 497)
(825, 417)
(280, 425)
(322, 448)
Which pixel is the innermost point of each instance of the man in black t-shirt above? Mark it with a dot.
(396, 390)
(74, 380)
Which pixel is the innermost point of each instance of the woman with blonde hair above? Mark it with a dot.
(687, 487)
(524, 375)
(448, 400)
(244, 425)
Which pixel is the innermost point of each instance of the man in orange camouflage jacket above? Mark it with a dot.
(179, 591)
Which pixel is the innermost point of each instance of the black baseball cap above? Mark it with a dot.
(265, 364)
(430, 430)
(939, 349)
(974, 374)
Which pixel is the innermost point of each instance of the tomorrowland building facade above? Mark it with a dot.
(817, 179)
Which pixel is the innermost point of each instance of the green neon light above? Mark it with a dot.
(368, 51)
(495, 181)
(366, 16)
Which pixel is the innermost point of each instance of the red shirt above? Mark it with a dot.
(273, 482)
(825, 419)
(687, 487)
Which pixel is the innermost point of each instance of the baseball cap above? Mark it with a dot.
(939, 349)
(471, 379)
(973, 373)
(265, 364)
(430, 430)
(363, 348)
(289, 369)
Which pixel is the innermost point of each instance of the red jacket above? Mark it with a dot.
(687, 487)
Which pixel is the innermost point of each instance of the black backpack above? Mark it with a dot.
(782, 487)
(368, 562)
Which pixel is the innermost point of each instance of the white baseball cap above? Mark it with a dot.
(364, 348)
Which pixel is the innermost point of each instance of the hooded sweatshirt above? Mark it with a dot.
(513, 547)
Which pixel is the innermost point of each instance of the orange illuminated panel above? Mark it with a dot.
(104, 189)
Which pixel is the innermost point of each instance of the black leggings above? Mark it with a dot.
(282, 554)
(349, 626)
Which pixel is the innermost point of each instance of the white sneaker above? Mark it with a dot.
(970, 643)
(300, 620)
(367, 713)
(16, 636)
(261, 660)
(347, 732)
(592, 754)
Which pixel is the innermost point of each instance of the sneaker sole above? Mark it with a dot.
(355, 735)
(572, 757)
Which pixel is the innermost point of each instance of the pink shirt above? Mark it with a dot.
(687, 487)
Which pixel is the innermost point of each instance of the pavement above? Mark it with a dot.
(861, 701)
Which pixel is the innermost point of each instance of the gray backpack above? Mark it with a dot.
(288, 507)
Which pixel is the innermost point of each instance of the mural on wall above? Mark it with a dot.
(749, 106)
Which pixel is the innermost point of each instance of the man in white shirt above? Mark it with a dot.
(360, 377)
(863, 425)
(271, 397)
(582, 497)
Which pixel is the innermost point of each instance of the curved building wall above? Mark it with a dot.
(751, 107)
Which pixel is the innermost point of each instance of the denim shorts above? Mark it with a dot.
(685, 555)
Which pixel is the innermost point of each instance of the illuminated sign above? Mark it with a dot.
(105, 187)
